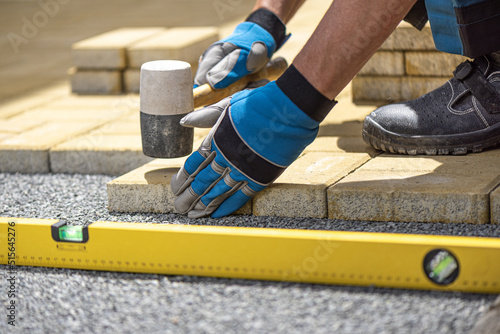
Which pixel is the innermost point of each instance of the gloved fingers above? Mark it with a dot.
(210, 58)
(195, 163)
(205, 117)
(203, 182)
(228, 70)
(234, 202)
(208, 203)
(258, 57)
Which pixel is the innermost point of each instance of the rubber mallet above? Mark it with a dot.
(166, 95)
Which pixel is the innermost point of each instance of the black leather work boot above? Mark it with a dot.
(461, 116)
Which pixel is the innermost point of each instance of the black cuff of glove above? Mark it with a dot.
(269, 21)
(304, 95)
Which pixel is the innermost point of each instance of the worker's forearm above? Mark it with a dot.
(284, 9)
(346, 38)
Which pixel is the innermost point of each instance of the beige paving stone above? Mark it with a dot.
(147, 189)
(301, 190)
(107, 50)
(132, 80)
(121, 103)
(384, 63)
(345, 119)
(182, 43)
(96, 82)
(15, 125)
(5, 135)
(98, 153)
(46, 114)
(132, 117)
(450, 189)
(405, 37)
(495, 206)
(28, 152)
(432, 64)
(345, 129)
(120, 128)
(414, 87)
(200, 133)
(372, 89)
(377, 90)
(18, 104)
(330, 144)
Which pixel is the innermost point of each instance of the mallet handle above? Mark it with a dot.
(205, 95)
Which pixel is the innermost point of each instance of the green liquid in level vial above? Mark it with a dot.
(71, 233)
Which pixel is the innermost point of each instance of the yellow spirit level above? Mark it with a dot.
(426, 262)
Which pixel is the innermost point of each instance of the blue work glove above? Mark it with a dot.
(245, 51)
(259, 133)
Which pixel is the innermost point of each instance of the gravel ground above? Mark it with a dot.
(64, 301)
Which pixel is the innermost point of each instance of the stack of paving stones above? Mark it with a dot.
(110, 63)
(405, 67)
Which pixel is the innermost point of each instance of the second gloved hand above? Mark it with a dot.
(245, 51)
(258, 135)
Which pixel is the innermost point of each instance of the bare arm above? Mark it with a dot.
(284, 9)
(346, 38)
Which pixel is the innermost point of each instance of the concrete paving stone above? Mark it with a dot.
(40, 66)
(132, 80)
(495, 206)
(182, 43)
(332, 144)
(446, 189)
(432, 64)
(110, 102)
(301, 190)
(347, 129)
(28, 152)
(107, 50)
(15, 105)
(346, 118)
(372, 89)
(119, 127)
(68, 114)
(96, 82)
(414, 87)
(98, 153)
(14, 125)
(5, 135)
(384, 63)
(147, 189)
(12, 86)
(200, 133)
(406, 37)
(132, 117)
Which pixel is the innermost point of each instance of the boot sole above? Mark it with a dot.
(387, 141)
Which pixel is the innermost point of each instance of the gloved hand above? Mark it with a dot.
(207, 117)
(258, 135)
(245, 51)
